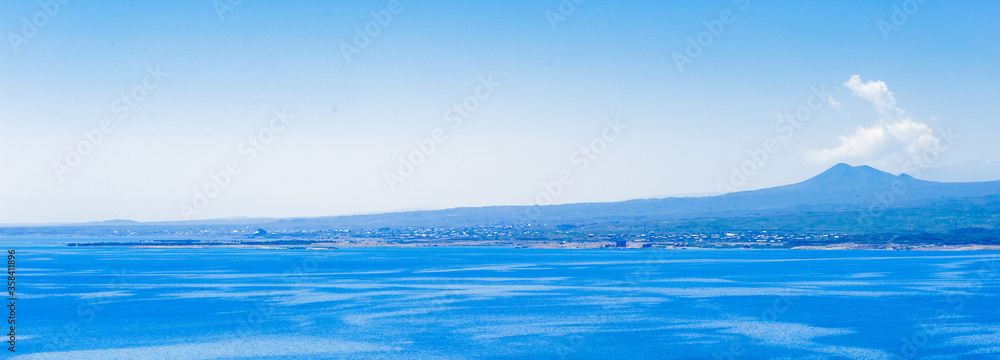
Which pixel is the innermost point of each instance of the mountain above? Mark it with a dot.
(841, 188)
(845, 185)
(844, 198)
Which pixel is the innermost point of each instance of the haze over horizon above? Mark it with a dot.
(473, 104)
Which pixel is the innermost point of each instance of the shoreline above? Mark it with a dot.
(299, 244)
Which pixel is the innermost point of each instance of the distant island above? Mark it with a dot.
(845, 207)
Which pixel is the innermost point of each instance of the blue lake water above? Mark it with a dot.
(502, 303)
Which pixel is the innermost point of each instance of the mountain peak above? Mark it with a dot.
(845, 175)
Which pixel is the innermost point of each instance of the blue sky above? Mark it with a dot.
(348, 123)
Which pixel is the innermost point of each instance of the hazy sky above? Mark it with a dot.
(136, 109)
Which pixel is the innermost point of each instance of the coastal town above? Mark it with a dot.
(524, 236)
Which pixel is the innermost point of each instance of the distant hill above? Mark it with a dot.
(842, 189)
(113, 222)
(844, 198)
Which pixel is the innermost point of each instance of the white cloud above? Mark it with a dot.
(833, 102)
(863, 143)
(876, 92)
(888, 143)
